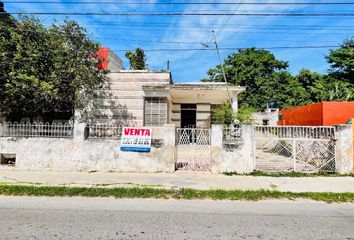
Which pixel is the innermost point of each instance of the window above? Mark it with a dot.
(265, 122)
(155, 111)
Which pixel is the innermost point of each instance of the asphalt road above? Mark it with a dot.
(107, 218)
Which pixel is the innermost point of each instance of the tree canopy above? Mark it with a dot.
(46, 71)
(342, 61)
(263, 76)
(266, 78)
(137, 59)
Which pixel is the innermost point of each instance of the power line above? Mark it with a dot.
(228, 48)
(179, 3)
(146, 23)
(227, 20)
(185, 14)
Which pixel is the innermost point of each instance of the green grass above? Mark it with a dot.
(149, 192)
(289, 174)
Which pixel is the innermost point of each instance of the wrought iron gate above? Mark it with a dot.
(294, 149)
(193, 149)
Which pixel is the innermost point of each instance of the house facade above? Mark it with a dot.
(151, 98)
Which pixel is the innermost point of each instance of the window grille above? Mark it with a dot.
(155, 113)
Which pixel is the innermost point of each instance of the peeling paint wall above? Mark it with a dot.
(344, 149)
(91, 155)
(239, 160)
(78, 154)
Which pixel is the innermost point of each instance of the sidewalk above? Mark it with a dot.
(181, 180)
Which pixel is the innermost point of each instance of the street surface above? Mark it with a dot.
(108, 218)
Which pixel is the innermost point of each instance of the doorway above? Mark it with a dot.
(188, 115)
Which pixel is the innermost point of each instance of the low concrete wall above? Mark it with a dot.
(239, 160)
(78, 154)
(91, 155)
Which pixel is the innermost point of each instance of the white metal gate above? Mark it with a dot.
(294, 149)
(193, 149)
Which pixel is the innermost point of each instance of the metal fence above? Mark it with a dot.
(193, 149)
(232, 137)
(105, 131)
(36, 130)
(294, 132)
(294, 149)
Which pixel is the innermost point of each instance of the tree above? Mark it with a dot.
(263, 76)
(342, 61)
(289, 92)
(46, 71)
(5, 17)
(310, 80)
(137, 59)
(330, 89)
(224, 114)
(244, 115)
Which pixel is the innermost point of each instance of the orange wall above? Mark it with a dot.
(335, 113)
(309, 115)
(103, 55)
(318, 114)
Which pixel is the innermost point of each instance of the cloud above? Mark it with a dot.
(239, 32)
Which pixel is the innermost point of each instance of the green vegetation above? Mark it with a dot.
(46, 72)
(289, 174)
(244, 115)
(266, 77)
(224, 114)
(137, 59)
(147, 192)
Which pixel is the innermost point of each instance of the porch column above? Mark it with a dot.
(235, 103)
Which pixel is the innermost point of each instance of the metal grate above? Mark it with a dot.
(36, 130)
(294, 149)
(105, 131)
(294, 132)
(193, 149)
(156, 111)
(232, 137)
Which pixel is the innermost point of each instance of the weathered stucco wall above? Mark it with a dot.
(78, 154)
(268, 115)
(344, 149)
(91, 155)
(122, 98)
(238, 160)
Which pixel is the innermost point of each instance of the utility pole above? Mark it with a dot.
(222, 67)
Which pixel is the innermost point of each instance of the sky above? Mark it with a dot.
(157, 33)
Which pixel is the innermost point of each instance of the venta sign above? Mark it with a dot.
(136, 140)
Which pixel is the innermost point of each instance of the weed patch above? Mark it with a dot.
(148, 192)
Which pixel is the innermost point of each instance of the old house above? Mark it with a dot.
(151, 98)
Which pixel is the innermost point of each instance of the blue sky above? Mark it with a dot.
(120, 32)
